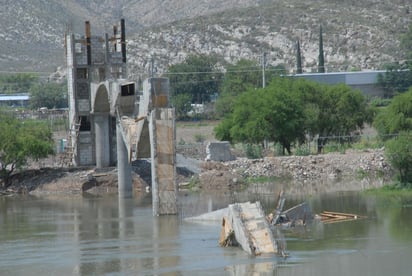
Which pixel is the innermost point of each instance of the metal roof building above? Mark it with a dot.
(366, 81)
(21, 99)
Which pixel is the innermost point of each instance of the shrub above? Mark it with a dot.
(253, 151)
(199, 138)
(399, 153)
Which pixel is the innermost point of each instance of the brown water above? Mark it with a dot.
(75, 235)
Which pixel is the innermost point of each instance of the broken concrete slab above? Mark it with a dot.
(247, 225)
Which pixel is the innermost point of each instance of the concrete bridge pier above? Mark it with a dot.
(124, 168)
(162, 143)
(101, 124)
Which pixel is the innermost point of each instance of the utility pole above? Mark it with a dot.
(263, 69)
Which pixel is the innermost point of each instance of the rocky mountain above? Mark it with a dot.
(356, 34)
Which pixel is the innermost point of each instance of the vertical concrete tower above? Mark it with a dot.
(94, 63)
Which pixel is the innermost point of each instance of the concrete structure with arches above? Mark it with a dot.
(112, 123)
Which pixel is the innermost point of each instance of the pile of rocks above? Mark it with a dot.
(368, 168)
(369, 163)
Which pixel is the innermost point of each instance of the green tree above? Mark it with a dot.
(321, 65)
(288, 110)
(182, 104)
(50, 95)
(298, 59)
(398, 76)
(285, 113)
(240, 77)
(396, 117)
(17, 83)
(21, 140)
(197, 76)
(332, 110)
(273, 114)
(396, 79)
(248, 120)
(399, 154)
(244, 75)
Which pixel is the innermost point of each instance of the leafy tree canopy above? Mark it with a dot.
(274, 114)
(182, 105)
(240, 77)
(396, 117)
(398, 77)
(288, 110)
(197, 76)
(17, 83)
(50, 95)
(21, 140)
(399, 154)
(244, 75)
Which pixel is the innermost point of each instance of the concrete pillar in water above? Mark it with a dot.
(162, 142)
(101, 123)
(124, 168)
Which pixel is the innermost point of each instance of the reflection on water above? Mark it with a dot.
(76, 235)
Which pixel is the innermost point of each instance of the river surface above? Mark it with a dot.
(92, 235)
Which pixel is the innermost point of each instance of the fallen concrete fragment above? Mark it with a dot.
(247, 226)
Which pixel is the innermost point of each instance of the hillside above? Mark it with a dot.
(357, 34)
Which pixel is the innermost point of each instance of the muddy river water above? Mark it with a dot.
(102, 235)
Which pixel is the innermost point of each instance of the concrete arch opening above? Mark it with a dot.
(101, 115)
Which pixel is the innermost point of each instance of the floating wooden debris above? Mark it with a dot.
(333, 217)
(247, 226)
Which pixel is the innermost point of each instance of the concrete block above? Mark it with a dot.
(219, 151)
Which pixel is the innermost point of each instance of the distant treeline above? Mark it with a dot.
(17, 83)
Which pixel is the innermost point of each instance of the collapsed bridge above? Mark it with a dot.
(112, 122)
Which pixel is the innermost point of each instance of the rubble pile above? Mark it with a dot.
(369, 163)
(353, 168)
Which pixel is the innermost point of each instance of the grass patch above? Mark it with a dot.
(395, 189)
(194, 184)
(302, 150)
(199, 138)
(261, 179)
(361, 174)
(192, 125)
(196, 124)
(367, 143)
(335, 147)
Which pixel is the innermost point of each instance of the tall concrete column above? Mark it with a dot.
(162, 143)
(124, 168)
(101, 124)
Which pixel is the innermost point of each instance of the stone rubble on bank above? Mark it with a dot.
(367, 167)
(333, 165)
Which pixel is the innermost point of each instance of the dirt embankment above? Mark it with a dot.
(354, 170)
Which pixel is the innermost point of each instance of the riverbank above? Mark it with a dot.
(353, 170)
